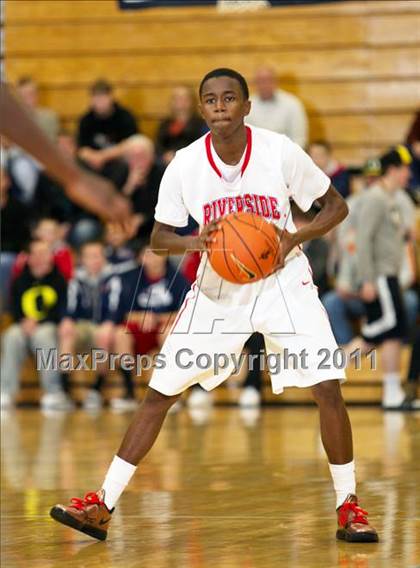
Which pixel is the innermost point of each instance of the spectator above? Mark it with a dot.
(379, 250)
(105, 124)
(15, 221)
(118, 254)
(159, 290)
(51, 232)
(413, 141)
(276, 109)
(321, 153)
(93, 297)
(46, 118)
(343, 304)
(182, 127)
(38, 296)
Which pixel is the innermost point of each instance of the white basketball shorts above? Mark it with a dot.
(206, 340)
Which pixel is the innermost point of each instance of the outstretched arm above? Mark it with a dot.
(88, 190)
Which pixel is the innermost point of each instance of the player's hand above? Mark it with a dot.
(287, 242)
(368, 292)
(207, 236)
(99, 196)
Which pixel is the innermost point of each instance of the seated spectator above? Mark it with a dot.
(93, 297)
(118, 254)
(343, 304)
(39, 298)
(51, 232)
(321, 153)
(15, 222)
(159, 290)
(413, 142)
(276, 109)
(182, 127)
(46, 118)
(105, 124)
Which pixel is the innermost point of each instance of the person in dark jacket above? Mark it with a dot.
(106, 124)
(38, 305)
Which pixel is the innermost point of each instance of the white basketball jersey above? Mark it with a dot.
(272, 171)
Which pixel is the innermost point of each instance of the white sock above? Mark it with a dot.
(116, 480)
(344, 480)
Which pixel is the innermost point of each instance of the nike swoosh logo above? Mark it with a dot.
(103, 521)
(305, 283)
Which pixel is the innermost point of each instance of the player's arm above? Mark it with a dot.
(165, 241)
(333, 210)
(89, 191)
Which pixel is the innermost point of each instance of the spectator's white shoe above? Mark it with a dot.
(6, 401)
(199, 398)
(392, 398)
(249, 398)
(93, 400)
(56, 401)
(123, 404)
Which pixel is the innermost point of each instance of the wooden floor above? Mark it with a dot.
(223, 490)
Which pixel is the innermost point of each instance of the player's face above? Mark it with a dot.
(223, 105)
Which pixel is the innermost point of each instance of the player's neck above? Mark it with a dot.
(230, 148)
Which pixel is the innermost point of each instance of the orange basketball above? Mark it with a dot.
(246, 248)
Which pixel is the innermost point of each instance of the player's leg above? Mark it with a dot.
(67, 338)
(92, 514)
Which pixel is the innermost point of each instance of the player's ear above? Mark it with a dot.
(200, 110)
(247, 107)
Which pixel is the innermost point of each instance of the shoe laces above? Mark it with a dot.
(359, 514)
(89, 499)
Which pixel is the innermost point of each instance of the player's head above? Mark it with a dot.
(102, 97)
(28, 91)
(265, 82)
(320, 152)
(224, 100)
(395, 166)
(92, 257)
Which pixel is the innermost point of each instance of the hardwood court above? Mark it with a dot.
(224, 490)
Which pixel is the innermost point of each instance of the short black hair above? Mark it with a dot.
(226, 72)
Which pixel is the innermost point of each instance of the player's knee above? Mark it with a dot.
(327, 393)
(157, 402)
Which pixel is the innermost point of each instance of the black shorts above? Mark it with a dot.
(386, 318)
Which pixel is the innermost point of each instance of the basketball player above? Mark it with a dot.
(88, 190)
(235, 167)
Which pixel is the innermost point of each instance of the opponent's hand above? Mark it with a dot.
(99, 196)
(207, 237)
(368, 292)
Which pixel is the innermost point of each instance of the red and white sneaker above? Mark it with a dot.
(353, 525)
(89, 515)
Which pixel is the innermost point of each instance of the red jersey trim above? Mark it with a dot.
(247, 152)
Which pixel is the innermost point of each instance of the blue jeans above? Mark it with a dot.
(342, 311)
